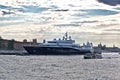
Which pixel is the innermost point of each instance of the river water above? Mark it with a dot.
(14, 67)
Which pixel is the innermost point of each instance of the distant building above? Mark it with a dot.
(103, 48)
(4, 44)
(15, 45)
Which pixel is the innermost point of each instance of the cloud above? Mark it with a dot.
(34, 9)
(110, 2)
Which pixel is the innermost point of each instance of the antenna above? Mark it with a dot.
(66, 35)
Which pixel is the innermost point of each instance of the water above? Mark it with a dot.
(59, 68)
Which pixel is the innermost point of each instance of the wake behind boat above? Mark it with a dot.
(64, 46)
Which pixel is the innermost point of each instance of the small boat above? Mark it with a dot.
(93, 56)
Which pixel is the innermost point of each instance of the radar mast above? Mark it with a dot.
(66, 35)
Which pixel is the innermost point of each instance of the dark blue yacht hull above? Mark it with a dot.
(40, 50)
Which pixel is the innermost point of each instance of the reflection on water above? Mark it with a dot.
(59, 67)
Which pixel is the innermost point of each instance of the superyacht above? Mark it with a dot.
(64, 46)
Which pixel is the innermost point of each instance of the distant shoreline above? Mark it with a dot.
(12, 52)
(20, 52)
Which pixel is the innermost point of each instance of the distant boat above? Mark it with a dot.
(93, 56)
(65, 46)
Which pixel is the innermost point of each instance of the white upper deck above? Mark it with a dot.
(65, 41)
